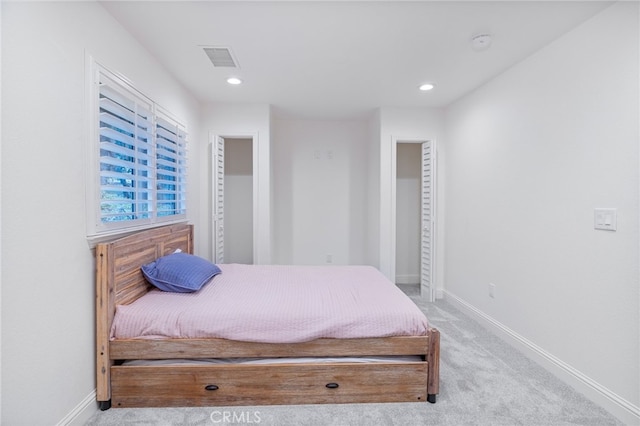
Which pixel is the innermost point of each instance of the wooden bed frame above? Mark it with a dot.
(119, 281)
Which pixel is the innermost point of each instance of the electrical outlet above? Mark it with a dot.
(492, 290)
(329, 258)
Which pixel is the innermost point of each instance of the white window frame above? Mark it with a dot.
(100, 230)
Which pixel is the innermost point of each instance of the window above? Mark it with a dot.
(138, 160)
(170, 168)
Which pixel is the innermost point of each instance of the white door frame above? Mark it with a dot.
(393, 203)
(213, 137)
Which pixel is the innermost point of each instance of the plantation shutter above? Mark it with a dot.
(170, 168)
(126, 178)
(219, 200)
(139, 160)
(426, 243)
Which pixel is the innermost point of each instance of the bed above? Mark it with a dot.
(166, 371)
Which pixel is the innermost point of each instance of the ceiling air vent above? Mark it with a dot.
(221, 57)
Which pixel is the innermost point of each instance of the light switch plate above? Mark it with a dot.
(605, 219)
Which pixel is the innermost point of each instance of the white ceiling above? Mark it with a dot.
(342, 59)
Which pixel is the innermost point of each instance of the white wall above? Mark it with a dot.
(408, 212)
(0, 218)
(529, 156)
(320, 178)
(238, 201)
(373, 189)
(48, 295)
(408, 124)
(240, 120)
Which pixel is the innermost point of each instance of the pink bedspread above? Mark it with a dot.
(276, 304)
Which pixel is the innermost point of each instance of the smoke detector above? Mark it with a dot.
(481, 42)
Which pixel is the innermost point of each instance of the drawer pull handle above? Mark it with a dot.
(211, 387)
(332, 385)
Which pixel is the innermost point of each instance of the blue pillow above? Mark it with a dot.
(180, 272)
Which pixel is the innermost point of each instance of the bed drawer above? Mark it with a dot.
(220, 385)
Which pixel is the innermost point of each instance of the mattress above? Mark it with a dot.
(276, 304)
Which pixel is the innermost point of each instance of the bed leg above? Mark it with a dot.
(104, 405)
(433, 358)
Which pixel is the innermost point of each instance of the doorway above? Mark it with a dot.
(408, 192)
(413, 214)
(233, 200)
(238, 190)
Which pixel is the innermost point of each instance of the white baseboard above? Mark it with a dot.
(408, 279)
(623, 409)
(82, 412)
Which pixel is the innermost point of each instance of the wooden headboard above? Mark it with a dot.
(119, 280)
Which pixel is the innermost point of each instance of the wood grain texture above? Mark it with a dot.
(268, 384)
(119, 282)
(223, 348)
(103, 323)
(433, 359)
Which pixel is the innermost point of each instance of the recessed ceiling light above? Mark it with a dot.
(426, 87)
(234, 80)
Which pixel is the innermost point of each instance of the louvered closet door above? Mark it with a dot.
(219, 200)
(426, 244)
